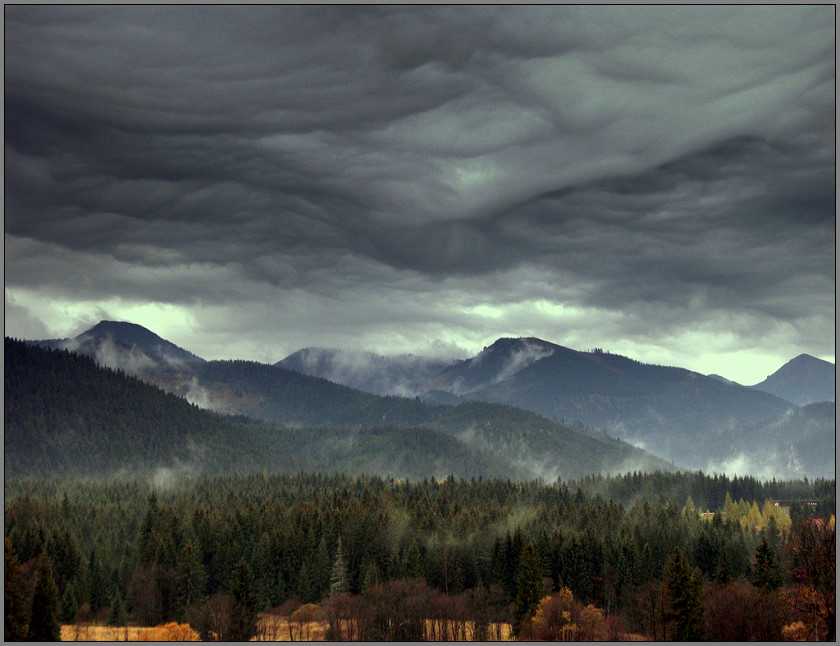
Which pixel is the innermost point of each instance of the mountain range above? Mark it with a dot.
(688, 419)
(283, 420)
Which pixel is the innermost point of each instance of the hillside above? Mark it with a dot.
(540, 446)
(675, 413)
(65, 414)
(401, 375)
(799, 443)
(802, 380)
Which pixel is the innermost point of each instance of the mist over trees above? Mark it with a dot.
(380, 558)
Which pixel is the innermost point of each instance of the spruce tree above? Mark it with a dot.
(15, 620)
(528, 587)
(43, 625)
(243, 614)
(684, 588)
(69, 604)
(191, 578)
(117, 613)
(338, 575)
(723, 572)
(766, 572)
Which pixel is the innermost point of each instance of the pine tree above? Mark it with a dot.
(69, 604)
(15, 620)
(412, 563)
(371, 575)
(191, 578)
(766, 572)
(44, 626)
(243, 614)
(684, 609)
(723, 572)
(98, 589)
(321, 570)
(338, 575)
(528, 587)
(117, 613)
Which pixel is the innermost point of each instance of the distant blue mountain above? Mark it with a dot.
(802, 380)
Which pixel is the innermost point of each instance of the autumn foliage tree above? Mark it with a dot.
(811, 551)
(555, 619)
(171, 632)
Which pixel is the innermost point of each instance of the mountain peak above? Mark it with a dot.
(802, 380)
(124, 330)
(134, 335)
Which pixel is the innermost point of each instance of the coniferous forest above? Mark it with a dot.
(128, 507)
(374, 558)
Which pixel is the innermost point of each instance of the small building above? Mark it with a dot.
(785, 505)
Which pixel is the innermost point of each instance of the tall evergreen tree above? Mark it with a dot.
(766, 572)
(338, 575)
(243, 614)
(69, 603)
(43, 625)
(723, 572)
(528, 587)
(99, 592)
(684, 588)
(191, 578)
(15, 619)
(117, 612)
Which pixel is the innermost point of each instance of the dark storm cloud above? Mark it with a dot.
(660, 162)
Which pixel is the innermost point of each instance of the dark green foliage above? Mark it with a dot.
(99, 590)
(684, 605)
(117, 615)
(723, 571)
(243, 614)
(43, 624)
(68, 604)
(15, 611)
(529, 587)
(171, 551)
(65, 414)
(766, 573)
(191, 578)
(338, 574)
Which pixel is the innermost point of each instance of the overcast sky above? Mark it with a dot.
(246, 181)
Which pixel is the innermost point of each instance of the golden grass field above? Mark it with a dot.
(270, 628)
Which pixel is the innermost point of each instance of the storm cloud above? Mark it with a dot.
(246, 181)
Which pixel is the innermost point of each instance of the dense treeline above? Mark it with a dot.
(708, 491)
(190, 549)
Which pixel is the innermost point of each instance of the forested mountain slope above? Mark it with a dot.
(676, 413)
(541, 446)
(402, 375)
(66, 414)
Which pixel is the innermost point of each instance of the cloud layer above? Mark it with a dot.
(250, 180)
